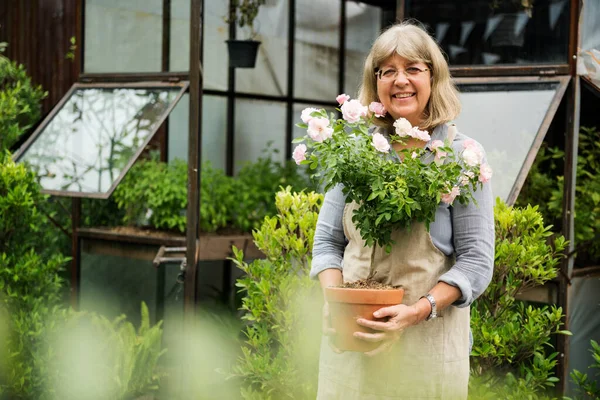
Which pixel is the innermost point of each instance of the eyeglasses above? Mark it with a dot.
(390, 74)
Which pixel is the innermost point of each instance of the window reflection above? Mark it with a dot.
(505, 119)
(493, 32)
(91, 139)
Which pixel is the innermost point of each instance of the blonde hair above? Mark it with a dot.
(414, 44)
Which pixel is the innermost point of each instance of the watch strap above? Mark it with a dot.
(433, 313)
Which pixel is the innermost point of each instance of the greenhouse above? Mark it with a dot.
(157, 235)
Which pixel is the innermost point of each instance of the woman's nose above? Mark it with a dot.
(401, 79)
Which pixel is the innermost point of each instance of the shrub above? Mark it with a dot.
(511, 338)
(30, 285)
(158, 186)
(587, 387)
(255, 186)
(19, 102)
(587, 193)
(98, 358)
(281, 352)
(545, 184)
(157, 192)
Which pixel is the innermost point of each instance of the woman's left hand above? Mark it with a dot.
(400, 317)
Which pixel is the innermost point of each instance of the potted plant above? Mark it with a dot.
(387, 194)
(242, 53)
(359, 299)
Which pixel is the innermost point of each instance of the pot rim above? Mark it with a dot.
(364, 296)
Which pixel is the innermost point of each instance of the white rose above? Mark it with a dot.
(305, 116)
(402, 126)
(319, 129)
(380, 143)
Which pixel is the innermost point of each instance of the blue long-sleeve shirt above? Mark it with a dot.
(464, 230)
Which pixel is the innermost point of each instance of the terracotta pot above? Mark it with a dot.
(347, 305)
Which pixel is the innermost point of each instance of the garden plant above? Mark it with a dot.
(154, 194)
(512, 355)
(281, 350)
(34, 317)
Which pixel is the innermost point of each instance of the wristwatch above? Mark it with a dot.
(431, 300)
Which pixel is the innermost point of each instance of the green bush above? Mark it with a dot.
(19, 102)
(155, 193)
(255, 186)
(30, 284)
(545, 184)
(98, 358)
(511, 356)
(587, 387)
(280, 304)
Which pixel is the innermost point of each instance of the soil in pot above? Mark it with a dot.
(360, 300)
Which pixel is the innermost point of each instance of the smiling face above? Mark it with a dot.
(407, 95)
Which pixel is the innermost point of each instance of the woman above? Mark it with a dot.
(442, 271)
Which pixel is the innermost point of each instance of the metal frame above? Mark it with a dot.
(140, 85)
(194, 156)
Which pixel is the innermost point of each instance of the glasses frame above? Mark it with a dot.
(380, 78)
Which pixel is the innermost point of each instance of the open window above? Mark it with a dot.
(93, 136)
(509, 117)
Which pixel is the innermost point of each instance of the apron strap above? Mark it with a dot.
(452, 132)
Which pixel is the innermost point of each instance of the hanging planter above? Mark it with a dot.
(242, 53)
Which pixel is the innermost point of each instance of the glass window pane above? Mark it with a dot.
(216, 32)
(589, 56)
(214, 130)
(270, 74)
(493, 32)
(89, 142)
(317, 39)
(123, 35)
(363, 24)
(505, 119)
(116, 278)
(258, 125)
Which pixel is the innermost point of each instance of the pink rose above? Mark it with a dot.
(306, 114)
(414, 154)
(342, 98)
(485, 173)
(299, 153)
(448, 198)
(378, 109)
(419, 134)
(352, 111)
(319, 129)
(380, 143)
(402, 127)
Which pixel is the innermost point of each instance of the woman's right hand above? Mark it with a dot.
(328, 329)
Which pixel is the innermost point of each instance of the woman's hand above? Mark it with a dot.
(328, 329)
(400, 317)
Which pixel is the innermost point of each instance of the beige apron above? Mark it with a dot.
(431, 359)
